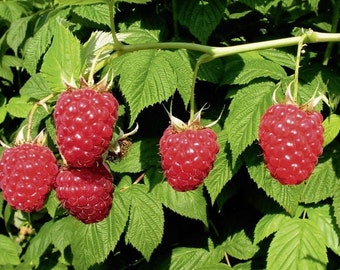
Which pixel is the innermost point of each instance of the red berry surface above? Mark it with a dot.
(27, 174)
(84, 122)
(187, 156)
(291, 140)
(85, 192)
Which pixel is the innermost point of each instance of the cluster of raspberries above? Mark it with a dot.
(84, 120)
(290, 136)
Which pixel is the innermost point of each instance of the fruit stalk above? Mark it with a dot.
(297, 66)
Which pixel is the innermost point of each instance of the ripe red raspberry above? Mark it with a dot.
(85, 192)
(188, 154)
(27, 174)
(84, 120)
(291, 139)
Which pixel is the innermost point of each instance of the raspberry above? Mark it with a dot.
(291, 139)
(84, 120)
(85, 192)
(27, 174)
(187, 156)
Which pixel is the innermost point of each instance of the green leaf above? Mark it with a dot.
(245, 111)
(321, 183)
(262, 6)
(279, 57)
(152, 79)
(63, 60)
(96, 48)
(92, 243)
(287, 196)
(180, 64)
(17, 33)
(146, 222)
(36, 87)
(191, 258)
(191, 204)
(245, 67)
(94, 13)
(239, 246)
(52, 204)
(223, 171)
(214, 266)
(298, 245)
(81, 2)
(321, 215)
(136, 34)
(140, 156)
(37, 45)
(12, 10)
(89, 244)
(331, 127)
(19, 106)
(9, 251)
(135, 1)
(268, 225)
(63, 232)
(336, 203)
(39, 244)
(201, 17)
(3, 110)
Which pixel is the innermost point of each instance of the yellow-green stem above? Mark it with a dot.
(202, 59)
(335, 20)
(117, 43)
(297, 66)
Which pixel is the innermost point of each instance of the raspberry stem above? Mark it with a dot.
(31, 114)
(301, 44)
(116, 42)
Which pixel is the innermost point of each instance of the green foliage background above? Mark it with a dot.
(240, 218)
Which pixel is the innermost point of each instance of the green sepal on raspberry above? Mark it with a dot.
(27, 173)
(86, 192)
(291, 138)
(188, 152)
(84, 119)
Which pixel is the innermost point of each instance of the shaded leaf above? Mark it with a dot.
(201, 17)
(19, 106)
(36, 87)
(191, 204)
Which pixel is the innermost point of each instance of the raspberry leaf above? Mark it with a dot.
(36, 87)
(268, 225)
(239, 245)
(188, 258)
(39, 244)
(146, 221)
(201, 17)
(191, 204)
(94, 13)
(243, 68)
(140, 156)
(321, 183)
(245, 112)
(140, 81)
(322, 216)
(223, 171)
(332, 128)
(9, 254)
(287, 196)
(305, 238)
(336, 204)
(62, 62)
